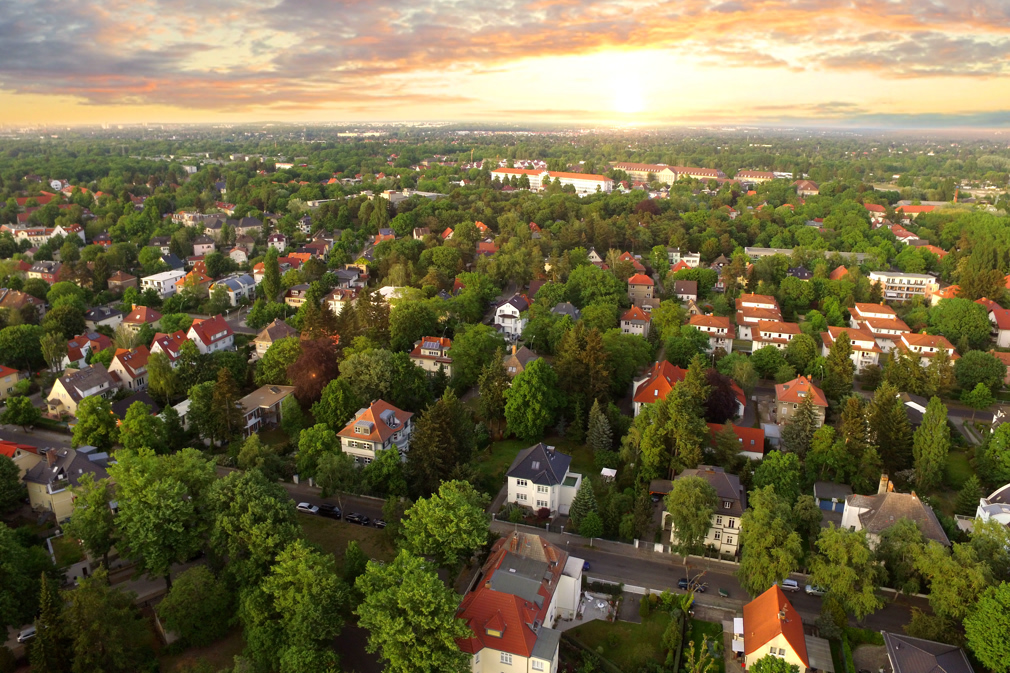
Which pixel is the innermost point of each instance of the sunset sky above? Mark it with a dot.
(887, 62)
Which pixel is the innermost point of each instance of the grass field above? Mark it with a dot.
(332, 536)
(215, 657)
(583, 461)
(957, 470)
(699, 630)
(499, 457)
(629, 646)
(67, 550)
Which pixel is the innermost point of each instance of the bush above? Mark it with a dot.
(645, 608)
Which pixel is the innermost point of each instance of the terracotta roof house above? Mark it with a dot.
(752, 440)
(540, 479)
(211, 334)
(640, 288)
(130, 365)
(121, 280)
(635, 264)
(915, 655)
(378, 427)
(774, 333)
(16, 300)
(8, 379)
(789, 396)
(80, 346)
(1000, 319)
(807, 188)
(636, 321)
(877, 513)
(865, 351)
(140, 316)
(656, 384)
(839, 273)
(516, 362)
(771, 625)
(925, 346)
(275, 331)
(169, 344)
(432, 354)
(718, 328)
(527, 585)
(724, 532)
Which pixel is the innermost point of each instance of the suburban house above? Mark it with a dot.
(1000, 319)
(16, 300)
(656, 384)
(877, 513)
(774, 333)
(140, 316)
(636, 321)
(238, 287)
(8, 379)
(523, 589)
(789, 396)
(718, 329)
(70, 389)
(130, 366)
(724, 533)
(691, 260)
(81, 346)
(121, 280)
(211, 334)
(685, 290)
(262, 408)
(564, 308)
(203, 245)
(378, 427)
(881, 321)
(296, 295)
(925, 346)
(865, 351)
(47, 271)
(277, 241)
(163, 283)
(540, 479)
(508, 315)
(275, 331)
(915, 655)
(337, 299)
(197, 281)
(771, 626)
(752, 309)
(432, 354)
(169, 344)
(830, 499)
(102, 316)
(50, 477)
(238, 255)
(517, 361)
(899, 286)
(640, 289)
(752, 440)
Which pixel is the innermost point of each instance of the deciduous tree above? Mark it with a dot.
(986, 628)
(12, 490)
(140, 429)
(337, 404)
(782, 472)
(92, 521)
(105, 629)
(846, 567)
(771, 548)
(198, 607)
(975, 367)
(21, 411)
(448, 526)
(691, 503)
(531, 400)
(96, 424)
(272, 369)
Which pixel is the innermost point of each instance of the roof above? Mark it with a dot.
(579, 176)
(519, 171)
(636, 314)
(770, 615)
(101, 313)
(90, 377)
(518, 301)
(122, 406)
(751, 439)
(134, 361)
(541, 464)
(798, 389)
(142, 315)
(211, 330)
(275, 331)
(727, 487)
(855, 335)
(776, 327)
(430, 343)
(265, 397)
(70, 464)
(640, 279)
(884, 509)
(1001, 316)
(685, 287)
(927, 341)
(838, 273)
(169, 344)
(659, 381)
(825, 490)
(6, 371)
(566, 308)
(379, 430)
(719, 322)
(755, 299)
(915, 655)
(524, 355)
(10, 448)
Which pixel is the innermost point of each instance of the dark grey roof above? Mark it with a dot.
(101, 313)
(727, 487)
(524, 355)
(685, 287)
(518, 301)
(826, 490)
(541, 465)
(173, 262)
(120, 408)
(566, 308)
(1000, 496)
(202, 240)
(69, 466)
(521, 576)
(915, 655)
(547, 644)
(885, 509)
(800, 272)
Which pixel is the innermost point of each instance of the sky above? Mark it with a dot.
(648, 62)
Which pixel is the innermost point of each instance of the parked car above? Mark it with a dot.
(379, 523)
(329, 511)
(307, 508)
(697, 587)
(585, 565)
(682, 583)
(359, 519)
(814, 590)
(26, 634)
(790, 585)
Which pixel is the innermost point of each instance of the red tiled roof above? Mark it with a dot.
(635, 313)
(874, 208)
(206, 329)
(864, 309)
(662, 377)
(579, 176)
(908, 210)
(720, 322)
(751, 439)
(855, 334)
(169, 344)
(681, 265)
(142, 315)
(380, 430)
(1002, 317)
(799, 388)
(838, 273)
(8, 448)
(518, 171)
(770, 615)
(640, 279)
(133, 360)
(755, 299)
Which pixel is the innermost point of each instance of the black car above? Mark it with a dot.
(682, 583)
(697, 587)
(329, 511)
(379, 523)
(359, 519)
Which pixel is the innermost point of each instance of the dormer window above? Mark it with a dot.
(494, 633)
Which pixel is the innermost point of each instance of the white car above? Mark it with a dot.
(307, 508)
(26, 634)
(814, 590)
(790, 585)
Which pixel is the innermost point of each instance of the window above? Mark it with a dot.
(726, 504)
(718, 535)
(782, 652)
(542, 503)
(538, 665)
(521, 483)
(718, 521)
(506, 658)
(476, 658)
(731, 523)
(541, 489)
(520, 496)
(729, 540)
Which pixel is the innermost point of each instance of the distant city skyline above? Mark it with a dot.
(883, 63)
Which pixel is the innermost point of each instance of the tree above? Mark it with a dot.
(531, 400)
(772, 664)
(272, 369)
(271, 275)
(839, 369)
(227, 412)
(493, 385)
(106, 631)
(66, 321)
(626, 355)
(21, 411)
(92, 521)
(316, 366)
(978, 398)
(96, 424)
(140, 429)
(958, 318)
(771, 548)
(900, 545)
(782, 472)
(599, 437)
(591, 526)
(54, 349)
(930, 445)
(975, 367)
(12, 491)
(993, 456)
(21, 568)
(162, 379)
(986, 628)
(957, 578)
(20, 347)
(968, 496)
(442, 440)
(386, 475)
(846, 568)
(582, 366)
(722, 404)
(336, 471)
(801, 351)
(255, 455)
(48, 652)
(313, 444)
(472, 348)
(197, 607)
(767, 361)
(410, 322)
(448, 526)
(337, 404)
(799, 430)
(411, 617)
(691, 503)
(890, 429)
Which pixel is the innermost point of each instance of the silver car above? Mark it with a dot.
(814, 590)
(26, 634)
(790, 585)
(307, 508)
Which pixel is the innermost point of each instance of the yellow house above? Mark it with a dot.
(50, 479)
(8, 379)
(771, 626)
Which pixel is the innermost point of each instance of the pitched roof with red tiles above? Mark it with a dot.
(169, 344)
(909, 210)
(134, 360)
(751, 316)
(862, 310)
(429, 343)
(717, 321)
(661, 378)
(769, 330)
(211, 330)
(757, 299)
(1001, 317)
(874, 208)
(927, 341)
(949, 292)
(839, 273)
(939, 252)
(10, 448)
(518, 171)
(770, 615)
(142, 315)
(447, 234)
(857, 337)
(380, 430)
(628, 257)
(681, 265)
(640, 279)
(798, 389)
(636, 314)
(751, 439)
(579, 176)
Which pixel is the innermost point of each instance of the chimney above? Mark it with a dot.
(885, 485)
(51, 457)
(513, 349)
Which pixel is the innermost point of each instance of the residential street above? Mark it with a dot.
(37, 437)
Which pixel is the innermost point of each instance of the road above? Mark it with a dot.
(37, 437)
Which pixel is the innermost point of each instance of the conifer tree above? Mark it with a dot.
(838, 370)
(493, 383)
(271, 275)
(799, 430)
(599, 437)
(968, 496)
(889, 428)
(930, 445)
(576, 430)
(49, 652)
(583, 504)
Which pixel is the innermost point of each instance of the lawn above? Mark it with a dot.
(583, 460)
(332, 536)
(957, 470)
(699, 630)
(629, 646)
(215, 657)
(498, 458)
(273, 437)
(67, 550)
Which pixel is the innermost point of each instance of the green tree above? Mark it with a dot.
(782, 472)
(66, 321)
(227, 412)
(271, 275)
(968, 496)
(20, 411)
(799, 429)
(386, 474)
(846, 567)
(961, 318)
(105, 630)
(292, 418)
(272, 369)
(956, 578)
(531, 400)
(582, 505)
(442, 440)
(771, 548)
(493, 385)
(801, 351)
(96, 424)
(21, 568)
(930, 445)
(410, 322)
(92, 521)
(772, 664)
(336, 471)
(975, 367)
(767, 361)
(197, 608)
(255, 455)
(472, 348)
(20, 347)
(900, 545)
(338, 404)
(448, 526)
(591, 526)
(691, 503)
(12, 491)
(839, 369)
(54, 350)
(986, 628)
(314, 443)
(890, 429)
(48, 652)
(978, 398)
(162, 379)
(140, 429)
(411, 617)
(599, 437)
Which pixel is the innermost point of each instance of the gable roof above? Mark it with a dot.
(640, 279)
(685, 287)
(523, 355)
(751, 439)
(380, 430)
(275, 331)
(79, 382)
(885, 509)
(798, 389)
(660, 380)
(719, 322)
(770, 615)
(169, 344)
(915, 655)
(541, 464)
(142, 315)
(134, 361)
(211, 330)
(855, 334)
(636, 314)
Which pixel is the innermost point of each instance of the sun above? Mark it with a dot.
(628, 95)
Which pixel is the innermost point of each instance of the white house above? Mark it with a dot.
(877, 513)
(774, 333)
(996, 506)
(1000, 319)
(162, 283)
(508, 315)
(277, 241)
(131, 367)
(541, 480)
(238, 287)
(881, 321)
(211, 335)
(636, 321)
(718, 328)
(378, 427)
(865, 351)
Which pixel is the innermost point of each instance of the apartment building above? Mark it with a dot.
(640, 289)
(774, 333)
(163, 283)
(865, 351)
(534, 175)
(881, 321)
(718, 328)
(925, 346)
(899, 286)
